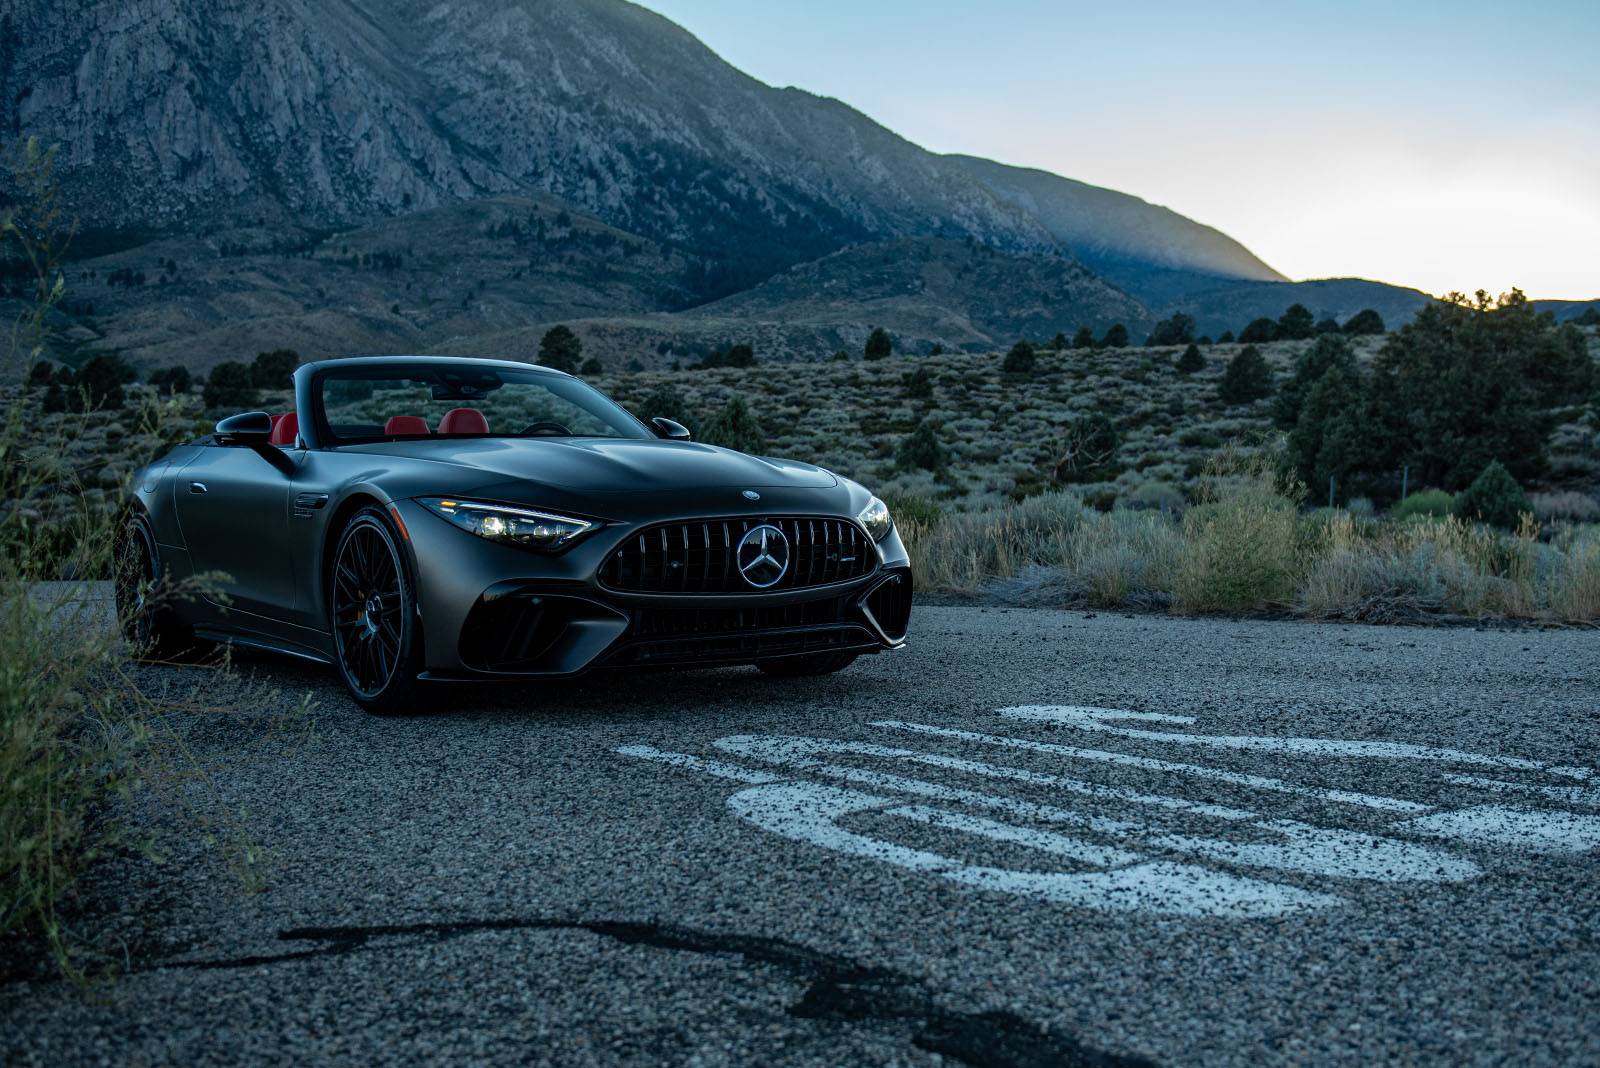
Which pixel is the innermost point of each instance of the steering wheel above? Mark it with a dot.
(545, 426)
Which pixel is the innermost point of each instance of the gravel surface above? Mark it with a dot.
(545, 875)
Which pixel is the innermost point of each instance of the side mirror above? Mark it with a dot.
(667, 428)
(247, 429)
(253, 431)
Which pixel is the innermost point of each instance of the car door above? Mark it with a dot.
(233, 507)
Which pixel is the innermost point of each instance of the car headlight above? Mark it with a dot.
(505, 523)
(875, 517)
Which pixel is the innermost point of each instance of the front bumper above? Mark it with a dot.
(492, 610)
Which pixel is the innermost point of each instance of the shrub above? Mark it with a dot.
(1116, 337)
(740, 355)
(1432, 503)
(1176, 330)
(922, 449)
(230, 384)
(1259, 332)
(1156, 497)
(839, 356)
(273, 370)
(101, 379)
(1191, 362)
(1494, 498)
(736, 428)
(1365, 321)
(1085, 450)
(592, 366)
(667, 401)
(1246, 379)
(914, 510)
(40, 375)
(1225, 338)
(1020, 360)
(919, 384)
(1568, 506)
(171, 380)
(561, 349)
(879, 345)
(1241, 548)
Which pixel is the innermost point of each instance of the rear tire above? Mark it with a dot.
(143, 595)
(372, 605)
(795, 667)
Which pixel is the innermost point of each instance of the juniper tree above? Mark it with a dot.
(1247, 378)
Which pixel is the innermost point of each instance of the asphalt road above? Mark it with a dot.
(1341, 845)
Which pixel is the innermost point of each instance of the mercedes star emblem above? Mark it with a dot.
(763, 555)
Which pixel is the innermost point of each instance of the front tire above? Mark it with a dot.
(795, 667)
(142, 593)
(372, 602)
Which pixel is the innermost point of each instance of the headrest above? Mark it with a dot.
(405, 424)
(285, 428)
(463, 421)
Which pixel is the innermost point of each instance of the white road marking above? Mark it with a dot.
(711, 767)
(1257, 782)
(1095, 719)
(809, 812)
(1130, 879)
(1305, 849)
(1569, 795)
(1497, 825)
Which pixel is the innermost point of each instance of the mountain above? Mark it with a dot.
(236, 135)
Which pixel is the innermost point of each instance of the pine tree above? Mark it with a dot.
(1191, 362)
(1296, 323)
(736, 428)
(922, 449)
(1246, 379)
(1494, 498)
(230, 384)
(561, 349)
(1083, 339)
(1328, 439)
(1116, 337)
(1176, 330)
(1020, 360)
(1259, 332)
(879, 345)
(1330, 350)
(1365, 321)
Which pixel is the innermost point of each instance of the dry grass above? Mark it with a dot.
(1249, 549)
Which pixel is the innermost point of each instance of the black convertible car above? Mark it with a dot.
(423, 518)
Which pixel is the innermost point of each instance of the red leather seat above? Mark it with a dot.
(285, 428)
(405, 424)
(463, 421)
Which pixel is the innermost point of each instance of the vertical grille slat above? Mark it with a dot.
(698, 556)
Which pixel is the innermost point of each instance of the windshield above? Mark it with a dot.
(423, 401)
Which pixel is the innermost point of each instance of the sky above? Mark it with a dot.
(1445, 146)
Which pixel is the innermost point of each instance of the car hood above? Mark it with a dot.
(601, 467)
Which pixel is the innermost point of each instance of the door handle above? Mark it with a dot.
(197, 487)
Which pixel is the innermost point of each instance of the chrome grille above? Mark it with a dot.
(699, 556)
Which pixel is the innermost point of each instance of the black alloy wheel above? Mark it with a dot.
(148, 624)
(373, 604)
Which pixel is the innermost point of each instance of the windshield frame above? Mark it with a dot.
(310, 397)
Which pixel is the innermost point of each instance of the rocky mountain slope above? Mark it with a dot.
(219, 130)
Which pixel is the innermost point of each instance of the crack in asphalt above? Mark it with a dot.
(838, 989)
